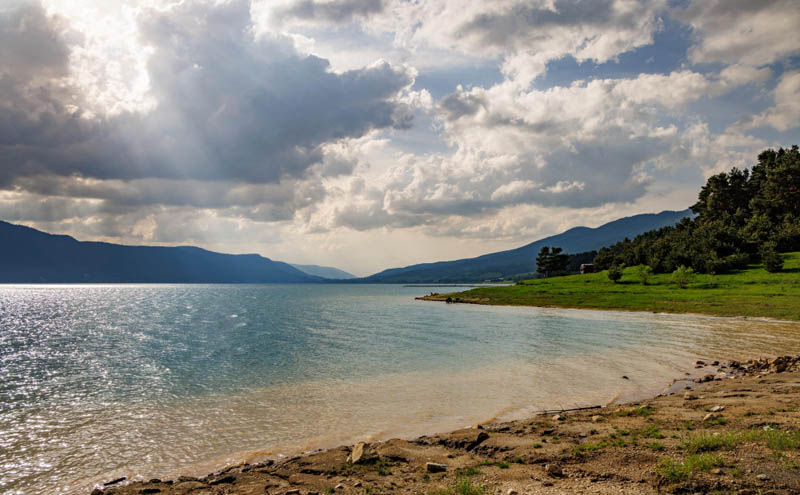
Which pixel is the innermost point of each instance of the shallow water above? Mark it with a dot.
(101, 381)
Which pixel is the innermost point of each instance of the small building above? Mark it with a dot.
(587, 268)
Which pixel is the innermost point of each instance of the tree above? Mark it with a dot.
(773, 262)
(645, 273)
(551, 261)
(682, 276)
(614, 273)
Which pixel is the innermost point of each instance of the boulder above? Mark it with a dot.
(357, 454)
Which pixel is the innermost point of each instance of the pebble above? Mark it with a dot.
(434, 467)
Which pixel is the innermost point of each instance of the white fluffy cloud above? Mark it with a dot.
(742, 31)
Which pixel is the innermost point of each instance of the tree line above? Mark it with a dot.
(740, 217)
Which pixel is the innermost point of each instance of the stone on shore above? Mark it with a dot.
(435, 467)
(554, 470)
(357, 454)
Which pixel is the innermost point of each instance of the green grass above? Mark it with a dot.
(775, 440)
(676, 471)
(461, 486)
(470, 471)
(749, 292)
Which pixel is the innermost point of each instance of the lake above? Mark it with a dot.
(102, 381)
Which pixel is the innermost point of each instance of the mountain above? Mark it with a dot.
(523, 259)
(324, 271)
(28, 255)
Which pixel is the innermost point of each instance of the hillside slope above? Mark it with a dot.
(29, 255)
(324, 271)
(523, 259)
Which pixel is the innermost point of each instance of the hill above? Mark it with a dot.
(523, 259)
(29, 255)
(324, 271)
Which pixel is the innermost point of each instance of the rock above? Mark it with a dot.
(716, 471)
(97, 491)
(689, 396)
(763, 477)
(357, 484)
(554, 470)
(558, 417)
(625, 377)
(357, 454)
(338, 487)
(149, 491)
(700, 363)
(293, 491)
(313, 492)
(709, 417)
(435, 467)
(511, 491)
(715, 363)
(482, 436)
(717, 409)
(188, 486)
(596, 418)
(223, 480)
(155, 481)
(114, 482)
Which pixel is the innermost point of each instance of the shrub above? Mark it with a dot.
(683, 276)
(645, 274)
(614, 273)
(773, 261)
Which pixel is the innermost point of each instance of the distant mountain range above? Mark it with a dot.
(29, 255)
(523, 259)
(324, 271)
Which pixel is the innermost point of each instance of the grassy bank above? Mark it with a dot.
(751, 292)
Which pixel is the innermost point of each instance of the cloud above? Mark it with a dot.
(742, 31)
(229, 106)
(785, 114)
(336, 11)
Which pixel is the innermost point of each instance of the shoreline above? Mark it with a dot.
(441, 298)
(516, 456)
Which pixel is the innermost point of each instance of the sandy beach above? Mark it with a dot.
(732, 430)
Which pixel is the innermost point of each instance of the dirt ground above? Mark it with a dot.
(673, 443)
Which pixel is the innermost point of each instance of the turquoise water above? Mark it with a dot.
(100, 381)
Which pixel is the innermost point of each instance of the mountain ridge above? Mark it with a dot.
(29, 255)
(522, 259)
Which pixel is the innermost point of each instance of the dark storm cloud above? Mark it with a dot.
(230, 107)
(338, 11)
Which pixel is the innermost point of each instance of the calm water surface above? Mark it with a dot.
(101, 381)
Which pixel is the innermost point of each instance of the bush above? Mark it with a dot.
(773, 261)
(645, 274)
(614, 273)
(683, 276)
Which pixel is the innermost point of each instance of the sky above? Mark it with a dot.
(368, 134)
